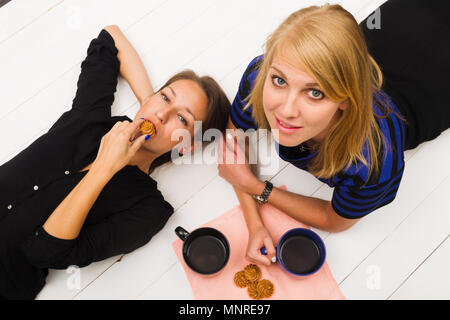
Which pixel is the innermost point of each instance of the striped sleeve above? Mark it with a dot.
(352, 197)
(242, 119)
(354, 203)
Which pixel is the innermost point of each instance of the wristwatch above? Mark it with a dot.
(265, 194)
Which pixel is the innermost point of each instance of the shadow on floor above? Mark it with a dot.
(3, 2)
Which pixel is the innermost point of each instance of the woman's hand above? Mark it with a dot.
(234, 167)
(257, 239)
(115, 149)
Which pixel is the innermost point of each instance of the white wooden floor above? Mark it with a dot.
(402, 251)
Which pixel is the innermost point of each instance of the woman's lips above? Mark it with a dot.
(285, 127)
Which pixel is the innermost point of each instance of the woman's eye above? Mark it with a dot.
(182, 120)
(279, 82)
(316, 94)
(165, 97)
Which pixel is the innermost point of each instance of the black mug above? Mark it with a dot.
(205, 250)
(300, 251)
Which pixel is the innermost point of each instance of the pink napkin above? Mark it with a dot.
(220, 286)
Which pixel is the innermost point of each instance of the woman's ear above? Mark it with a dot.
(344, 105)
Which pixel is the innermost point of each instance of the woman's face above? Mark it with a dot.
(295, 104)
(176, 106)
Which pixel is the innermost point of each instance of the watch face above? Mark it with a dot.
(261, 199)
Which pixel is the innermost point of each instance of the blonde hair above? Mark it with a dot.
(328, 42)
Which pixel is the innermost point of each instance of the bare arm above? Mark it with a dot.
(131, 67)
(258, 234)
(67, 219)
(248, 204)
(314, 212)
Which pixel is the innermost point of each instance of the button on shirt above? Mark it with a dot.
(128, 212)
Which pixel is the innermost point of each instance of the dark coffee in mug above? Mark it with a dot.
(300, 254)
(205, 250)
(207, 253)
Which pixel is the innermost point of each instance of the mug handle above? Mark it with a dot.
(182, 233)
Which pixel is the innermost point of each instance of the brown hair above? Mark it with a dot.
(217, 110)
(328, 42)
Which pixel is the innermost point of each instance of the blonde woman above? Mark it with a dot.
(344, 102)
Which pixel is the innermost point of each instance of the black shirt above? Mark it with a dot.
(128, 212)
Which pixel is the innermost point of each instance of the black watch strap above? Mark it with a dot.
(265, 194)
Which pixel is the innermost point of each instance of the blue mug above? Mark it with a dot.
(301, 252)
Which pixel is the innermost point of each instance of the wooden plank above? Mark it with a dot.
(48, 105)
(65, 284)
(430, 280)
(38, 55)
(403, 250)
(20, 14)
(347, 249)
(173, 284)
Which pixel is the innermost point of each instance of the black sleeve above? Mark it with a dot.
(117, 234)
(98, 78)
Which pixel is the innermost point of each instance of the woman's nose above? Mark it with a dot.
(289, 108)
(164, 114)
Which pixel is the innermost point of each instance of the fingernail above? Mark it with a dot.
(274, 259)
(229, 136)
(146, 137)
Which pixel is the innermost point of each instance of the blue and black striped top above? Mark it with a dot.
(355, 193)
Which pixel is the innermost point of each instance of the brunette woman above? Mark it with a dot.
(82, 192)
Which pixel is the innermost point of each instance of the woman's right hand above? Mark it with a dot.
(115, 149)
(259, 238)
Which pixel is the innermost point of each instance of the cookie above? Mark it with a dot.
(264, 288)
(147, 127)
(252, 272)
(250, 277)
(253, 292)
(240, 280)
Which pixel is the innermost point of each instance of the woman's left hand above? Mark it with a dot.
(234, 166)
